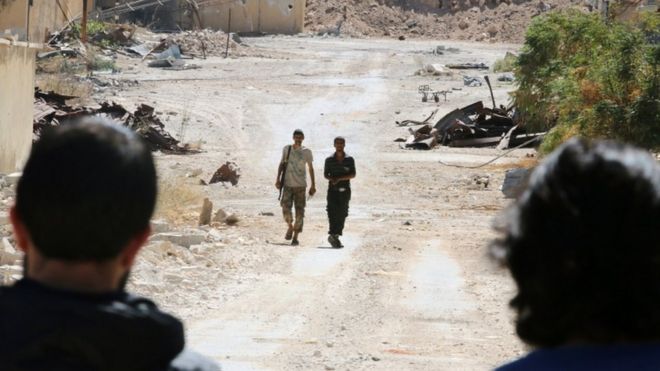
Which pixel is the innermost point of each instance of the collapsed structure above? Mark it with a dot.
(471, 126)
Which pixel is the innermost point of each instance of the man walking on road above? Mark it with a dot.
(292, 179)
(339, 169)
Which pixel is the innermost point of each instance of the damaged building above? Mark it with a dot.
(242, 16)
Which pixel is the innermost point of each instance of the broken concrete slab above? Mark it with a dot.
(436, 69)
(472, 81)
(179, 238)
(159, 226)
(220, 216)
(515, 181)
(13, 178)
(205, 213)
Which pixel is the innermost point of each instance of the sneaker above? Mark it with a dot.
(289, 234)
(295, 243)
(334, 241)
(339, 244)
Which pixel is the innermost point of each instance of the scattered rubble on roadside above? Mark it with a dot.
(51, 110)
(228, 172)
(10, 258)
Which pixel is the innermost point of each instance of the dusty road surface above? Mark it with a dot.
(412, 290)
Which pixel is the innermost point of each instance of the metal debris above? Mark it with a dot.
(413, 122)
(229, 172)
(471, 126)
(51, 110)
(467, 66)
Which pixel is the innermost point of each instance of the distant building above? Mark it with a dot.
(247, 16)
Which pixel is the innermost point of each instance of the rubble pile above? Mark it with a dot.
(477, 20)
(51, 110)
(204, 43)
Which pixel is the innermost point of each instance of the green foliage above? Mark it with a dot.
(93, 27)
(505, 64)
(578, 75)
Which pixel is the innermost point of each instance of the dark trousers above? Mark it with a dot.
(337, 209)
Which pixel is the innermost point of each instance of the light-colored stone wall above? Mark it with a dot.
(17, 66)
(268, 16)
(45, 16)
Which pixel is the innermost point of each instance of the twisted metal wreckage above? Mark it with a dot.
(471, 126)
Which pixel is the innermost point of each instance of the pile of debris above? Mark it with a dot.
(471, 126)
(205, 43)
(50, 109)
(477, 20)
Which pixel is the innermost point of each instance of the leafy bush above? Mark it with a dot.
(578, 75)
(93, 27)
(506, 64)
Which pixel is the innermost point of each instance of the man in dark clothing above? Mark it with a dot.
(82, 213)
(339, 169)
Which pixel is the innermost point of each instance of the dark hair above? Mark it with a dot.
(583, 246)
(86, 190)
(298, 132)
(342, 139)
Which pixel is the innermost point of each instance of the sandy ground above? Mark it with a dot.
(412, 290)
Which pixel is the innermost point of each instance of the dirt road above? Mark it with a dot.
(412, 290)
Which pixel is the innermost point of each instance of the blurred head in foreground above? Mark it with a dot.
(86, 196)
(583, 246)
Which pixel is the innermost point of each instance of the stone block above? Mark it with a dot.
(12, 179)
(182, 239)
(205, 213)
(159, 226)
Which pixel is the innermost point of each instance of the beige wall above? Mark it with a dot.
(17, 65)
(269, 16)
(45, 16)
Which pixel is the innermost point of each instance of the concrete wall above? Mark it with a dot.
(45, 16)
(268, 16)
(17, 66)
